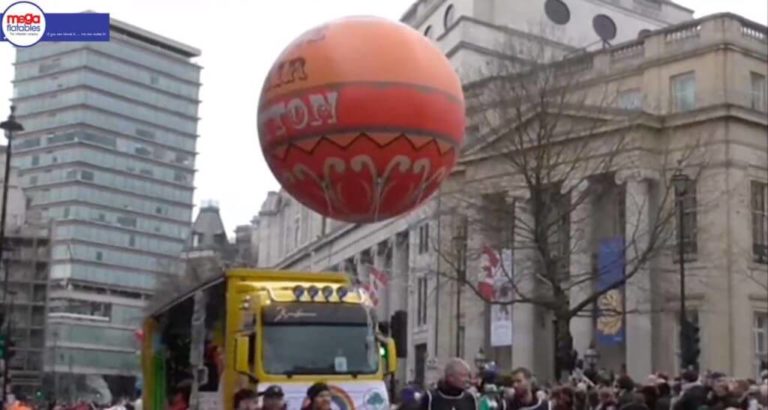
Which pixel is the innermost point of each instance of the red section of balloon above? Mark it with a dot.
(358, 128)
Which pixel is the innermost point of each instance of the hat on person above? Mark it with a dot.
(273, 392)
(315, 390)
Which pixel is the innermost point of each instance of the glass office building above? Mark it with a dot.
(107, 154)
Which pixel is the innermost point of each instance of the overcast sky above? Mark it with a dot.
(239, 41)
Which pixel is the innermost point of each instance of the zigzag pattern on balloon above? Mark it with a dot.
(344, 140)
(351, 183)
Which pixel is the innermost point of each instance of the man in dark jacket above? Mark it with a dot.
(693, 395)
(451, 392)
(525, 397)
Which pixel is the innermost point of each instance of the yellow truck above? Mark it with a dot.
(253, 328)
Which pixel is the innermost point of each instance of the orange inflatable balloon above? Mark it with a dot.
(361, 119)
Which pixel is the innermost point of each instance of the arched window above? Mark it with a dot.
(449, 17)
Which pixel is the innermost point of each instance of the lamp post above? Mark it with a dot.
(591, 356)
(681, 182)
(460, 247)
(9, 126)
(480, 360)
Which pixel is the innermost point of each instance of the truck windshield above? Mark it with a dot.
(318, 339)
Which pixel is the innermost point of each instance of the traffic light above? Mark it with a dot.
(10, 350)
(690, 344)
(398, 328)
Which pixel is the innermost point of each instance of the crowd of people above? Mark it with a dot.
(490, 390)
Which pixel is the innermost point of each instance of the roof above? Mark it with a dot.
(208, 223)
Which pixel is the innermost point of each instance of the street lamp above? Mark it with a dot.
(681, 181)
(460, 248)
(591, 356)
(9, 126)
(480, 359)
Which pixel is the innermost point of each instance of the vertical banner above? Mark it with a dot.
(610, 305)
(498, 268)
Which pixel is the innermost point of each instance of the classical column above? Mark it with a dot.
(523, 314)
(580, 262)
(384, 309)
(473, 307)
(638, 335)
(399, 273)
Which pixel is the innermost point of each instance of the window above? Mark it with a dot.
(131, 241)
(757, 91)
(179, 177)
(127, 221)
(28, 143)
(421, 363)
(683, 92)
(35, 160)
(99, 256)
(450, 16)
(631, 100)
(153, 79)
(86, 175)
(296, 232)
(689, 204)
(181, 158)
(760, 221)
(66, 212)
(421, 302)
(424, 238)
(760, 336)
(145, 133)
(33, 180)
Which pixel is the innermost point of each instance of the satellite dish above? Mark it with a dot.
(557, 11)
(605, 27)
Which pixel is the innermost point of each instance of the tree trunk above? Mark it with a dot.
(565, 360)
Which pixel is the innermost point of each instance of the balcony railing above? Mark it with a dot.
(683, 33)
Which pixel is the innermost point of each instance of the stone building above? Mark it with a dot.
(209, 250)
(695, 78)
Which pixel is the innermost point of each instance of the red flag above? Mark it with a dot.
(488, 269)
(380, 279)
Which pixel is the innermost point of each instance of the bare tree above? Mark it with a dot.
(549, 136)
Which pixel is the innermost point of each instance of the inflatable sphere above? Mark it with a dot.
(361, 119)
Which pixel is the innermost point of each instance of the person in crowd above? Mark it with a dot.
(664, 402)
(607, 399)
(525, 395)
(626, 390)
(246, 399)
(273, 398)
(451, 391)
(318, 397)
(693, 394)
(562, 398)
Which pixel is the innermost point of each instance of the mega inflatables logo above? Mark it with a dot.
(23, 24)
